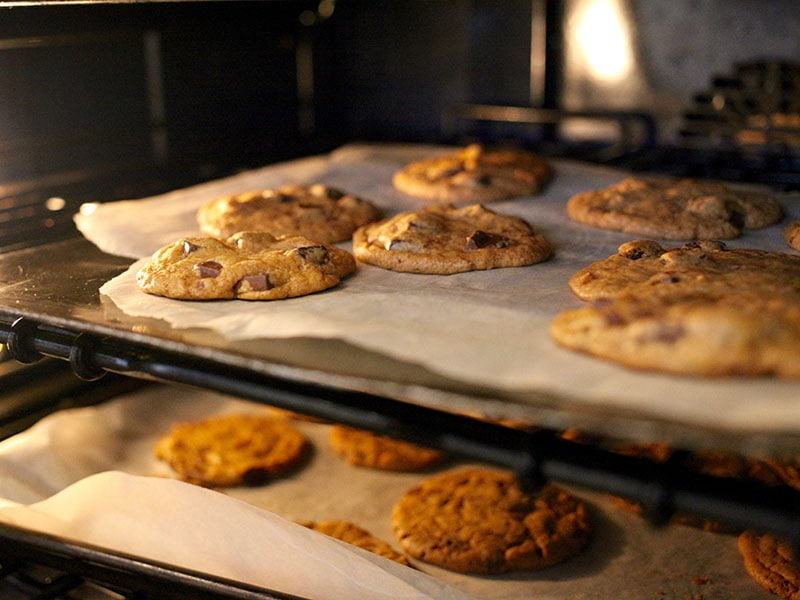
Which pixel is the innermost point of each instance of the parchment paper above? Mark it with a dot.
(489, 328)
(89, 474)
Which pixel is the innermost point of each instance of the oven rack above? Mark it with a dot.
(37, 566)
(536, 456)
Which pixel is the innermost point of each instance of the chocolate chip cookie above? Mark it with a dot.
(474, 174)
(318, 212)
(772, 563)
(362, 448)
(676, 209)
(246, 266)
(443, 239)
(476, 520)
(699, 309)
(351, 533)
(232, 450)
(791, 234)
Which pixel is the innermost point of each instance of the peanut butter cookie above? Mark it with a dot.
(247, 266)
(444, 239)
(365, 449)
(474, 174)
(772, 563)
(700, 309)
(231, 450)
(351, 533)
(721, 464)
(475, 520)
(676, 209)
(317, 212)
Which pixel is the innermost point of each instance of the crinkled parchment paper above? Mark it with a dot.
(79, 475)
(487, 328)
(89, 474)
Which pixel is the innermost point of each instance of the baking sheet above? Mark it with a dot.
(486, 328)
(91, 472)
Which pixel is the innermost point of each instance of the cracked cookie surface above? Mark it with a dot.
(475, 520)
(318, 212)
(700, 309)
(474, 174)
(247, 266)
(772, 563)
(676, 209)
(444, 239)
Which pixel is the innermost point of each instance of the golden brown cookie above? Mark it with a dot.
(362, 448)
(444, 240)
(772, 563)
(232, 450)
(474, 174)
(476, 520)
(791, 234)
(676, 209)
(317, 212)
(351, 533)
(246, 266)
(699, 309)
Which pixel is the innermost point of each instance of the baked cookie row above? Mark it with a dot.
(698, 309)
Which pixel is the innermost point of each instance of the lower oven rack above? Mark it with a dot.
(537, 456)
(39, 566)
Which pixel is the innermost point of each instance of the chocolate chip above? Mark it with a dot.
(635, 254)
(404, 246)
(482, 239)
(210, 268)
(638, 249)
(334, 194)
(665, 278)
(189, 247)
(669, 333)
(315, 254)
(257, 283)
(613, 319)
(485, 180)
(706, 245)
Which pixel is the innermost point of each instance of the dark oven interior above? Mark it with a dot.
(108, 101)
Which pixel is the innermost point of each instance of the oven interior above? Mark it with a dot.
(107, 101)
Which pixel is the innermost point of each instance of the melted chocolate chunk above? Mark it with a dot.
(315, 254)
(257, 283)
(210, 268)
(482, 239)
(189, 247)
(634, 254)
(334, 194)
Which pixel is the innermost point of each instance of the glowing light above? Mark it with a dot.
(602, 35)
(88, 208)
(55, 203)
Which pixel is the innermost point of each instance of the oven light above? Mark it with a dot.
(55, 203)
(602, 35)
(88, 208)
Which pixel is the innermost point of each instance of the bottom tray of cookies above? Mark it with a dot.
(420, 515)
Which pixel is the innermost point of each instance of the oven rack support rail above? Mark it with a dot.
(538, 456)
